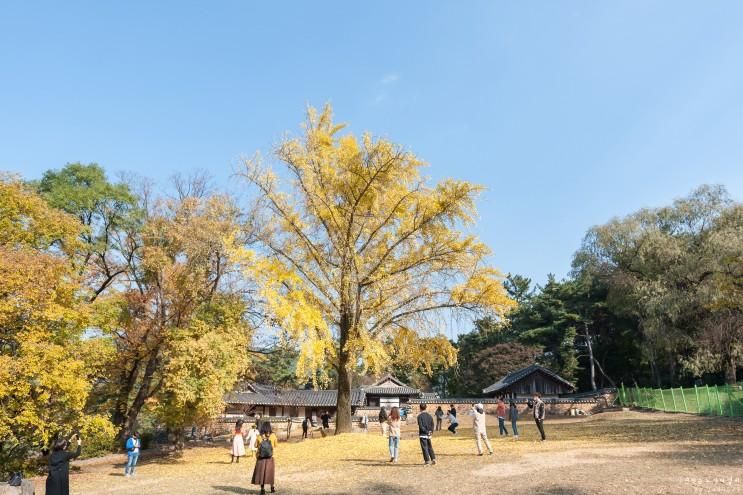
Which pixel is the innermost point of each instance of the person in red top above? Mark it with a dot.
(500, 411)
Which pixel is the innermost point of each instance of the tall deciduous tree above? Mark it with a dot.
(361, 250)
(43, 386)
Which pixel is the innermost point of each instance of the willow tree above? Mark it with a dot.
(362, 254)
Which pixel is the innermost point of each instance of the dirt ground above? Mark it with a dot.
(617, 452)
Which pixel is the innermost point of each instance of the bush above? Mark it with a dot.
(98, 434)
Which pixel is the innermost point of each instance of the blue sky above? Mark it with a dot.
(569, 112)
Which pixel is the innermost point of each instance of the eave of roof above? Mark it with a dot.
(517, 375)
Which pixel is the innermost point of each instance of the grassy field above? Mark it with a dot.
(618, 452)
(712, 401)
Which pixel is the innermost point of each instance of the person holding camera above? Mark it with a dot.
(58, 480)
(132, 453)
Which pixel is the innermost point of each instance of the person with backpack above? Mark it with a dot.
(439, 417)
(133, 445)
(58, 480)
(479, 427)
(238, 442)
(393, 433)
(500, 411)
(513, 411)
(539, 413)
(264, 470)
(425, 431)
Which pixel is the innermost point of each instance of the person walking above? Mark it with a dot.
(133, 444)
(325, 417)
(264, 470)
(425, 430)
(539, 413)
(500, 411)
(480, 428)
(393, 433)
(238, 442)
(58, 479)
(453, 422)
(513, 412)
(439, 417)
(252, 439)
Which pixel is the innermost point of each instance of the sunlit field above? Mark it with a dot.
(620, 452)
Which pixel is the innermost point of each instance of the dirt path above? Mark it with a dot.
(647, 453)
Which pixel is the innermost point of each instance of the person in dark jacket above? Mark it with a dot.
(514, 413)
(539, 413)
(58, 481)
(439, 417)
(305, 427)
(425, 430)
(453, 411)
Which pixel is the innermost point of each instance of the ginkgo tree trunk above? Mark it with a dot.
(360, 254)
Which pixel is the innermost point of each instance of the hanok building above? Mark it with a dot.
(526, 381)
(267, 400)
(389, 392)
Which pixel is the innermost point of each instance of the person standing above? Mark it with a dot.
(513, 412)
(425, 430)
(453, 422)
(539, 413)
(305, 427)
(58, 480)
(133, 444)
(264, 470)
(480, 428)
(383, 420)
(238, 442)
(439, 417)
(393, 433)
(500, 411)
(365, 423)
(252, 439)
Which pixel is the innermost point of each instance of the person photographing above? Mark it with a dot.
(58, 480)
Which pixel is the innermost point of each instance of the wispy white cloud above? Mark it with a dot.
(390, 78)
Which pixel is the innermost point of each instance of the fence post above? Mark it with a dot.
(719, 403)
(673, 396)
(709, 400)
(663, 399)
(696, 392)
(686, 407)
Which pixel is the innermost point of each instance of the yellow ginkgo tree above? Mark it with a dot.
(360, 251)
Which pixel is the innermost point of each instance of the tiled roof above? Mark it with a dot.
(392, 391)
(399, 388)
(514, 377)
(304, 398)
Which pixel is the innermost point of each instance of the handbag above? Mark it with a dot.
(16, 479)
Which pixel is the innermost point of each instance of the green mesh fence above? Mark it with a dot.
(715, 400)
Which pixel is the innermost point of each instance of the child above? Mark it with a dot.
(500, 411)
(263, 473)
(393, 433)
(238, 442)
(252, 439)
(425, 430)
(478, 425)
(513, 411)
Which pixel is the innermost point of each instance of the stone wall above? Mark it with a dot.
(27, 488)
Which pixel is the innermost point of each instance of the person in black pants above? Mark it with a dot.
(305, 427)
(539, 414)
(439, 417)
(425, 430)
(58, 481)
